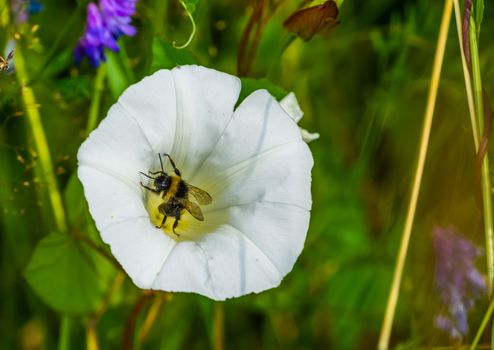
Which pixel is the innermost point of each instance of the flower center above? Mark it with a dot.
(171, 202)
(153, 203)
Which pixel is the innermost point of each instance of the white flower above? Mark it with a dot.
(252, 161)
(290, 104)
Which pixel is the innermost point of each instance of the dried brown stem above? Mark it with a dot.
(467, 9)
(130, 324)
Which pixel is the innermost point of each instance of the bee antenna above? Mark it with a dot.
(161, 162)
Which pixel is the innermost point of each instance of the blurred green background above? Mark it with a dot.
(363, 87)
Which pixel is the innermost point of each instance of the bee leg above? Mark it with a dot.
(175, 224)
(162, 222)
(177, 172)
(149, 188)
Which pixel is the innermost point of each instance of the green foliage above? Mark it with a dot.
(64, 273)
(165, 56)
(190, 5)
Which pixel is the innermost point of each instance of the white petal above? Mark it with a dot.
(140, 248)
(205, 102)
(280, 175)
(290, 104)
(258, 125)
(118, 146)
(111, 197)
(153, 105)
(186, 270)
(236, 265)
(308, 136)
(260, 157)
(254, 248)
(276, 230)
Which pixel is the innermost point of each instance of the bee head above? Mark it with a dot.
(162, 182)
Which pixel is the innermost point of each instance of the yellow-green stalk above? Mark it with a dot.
(40, 142)
(486, 181)
(412, 205)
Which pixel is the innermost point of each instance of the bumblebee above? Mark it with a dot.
(176, 194)
(4, 63)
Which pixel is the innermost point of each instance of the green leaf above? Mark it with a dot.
(65, 274)
(250, 85)
(165, 56)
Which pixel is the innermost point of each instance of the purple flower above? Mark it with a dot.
(105, 24)
(458, 282)
(117, 15)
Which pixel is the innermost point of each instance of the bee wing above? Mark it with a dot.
(192, 208)
(201, 196)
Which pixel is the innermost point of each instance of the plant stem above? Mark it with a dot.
(40, 142)
(64, 341)
(481, 329)
(486, 181)
(46, 164)
(128, 336)
(219, 326)
(95, 101)
(467, 78)
(151, 316)
(91, 336)
(424, 143)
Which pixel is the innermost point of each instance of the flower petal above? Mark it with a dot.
(112, 198)
(117, 146)
(254, 248)
(260, 157)
(152, 104)
(140, 248)
(277, 230)
(185, 270)
(251, 252)
(290, 104)
(281, 175)
(205, 102)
